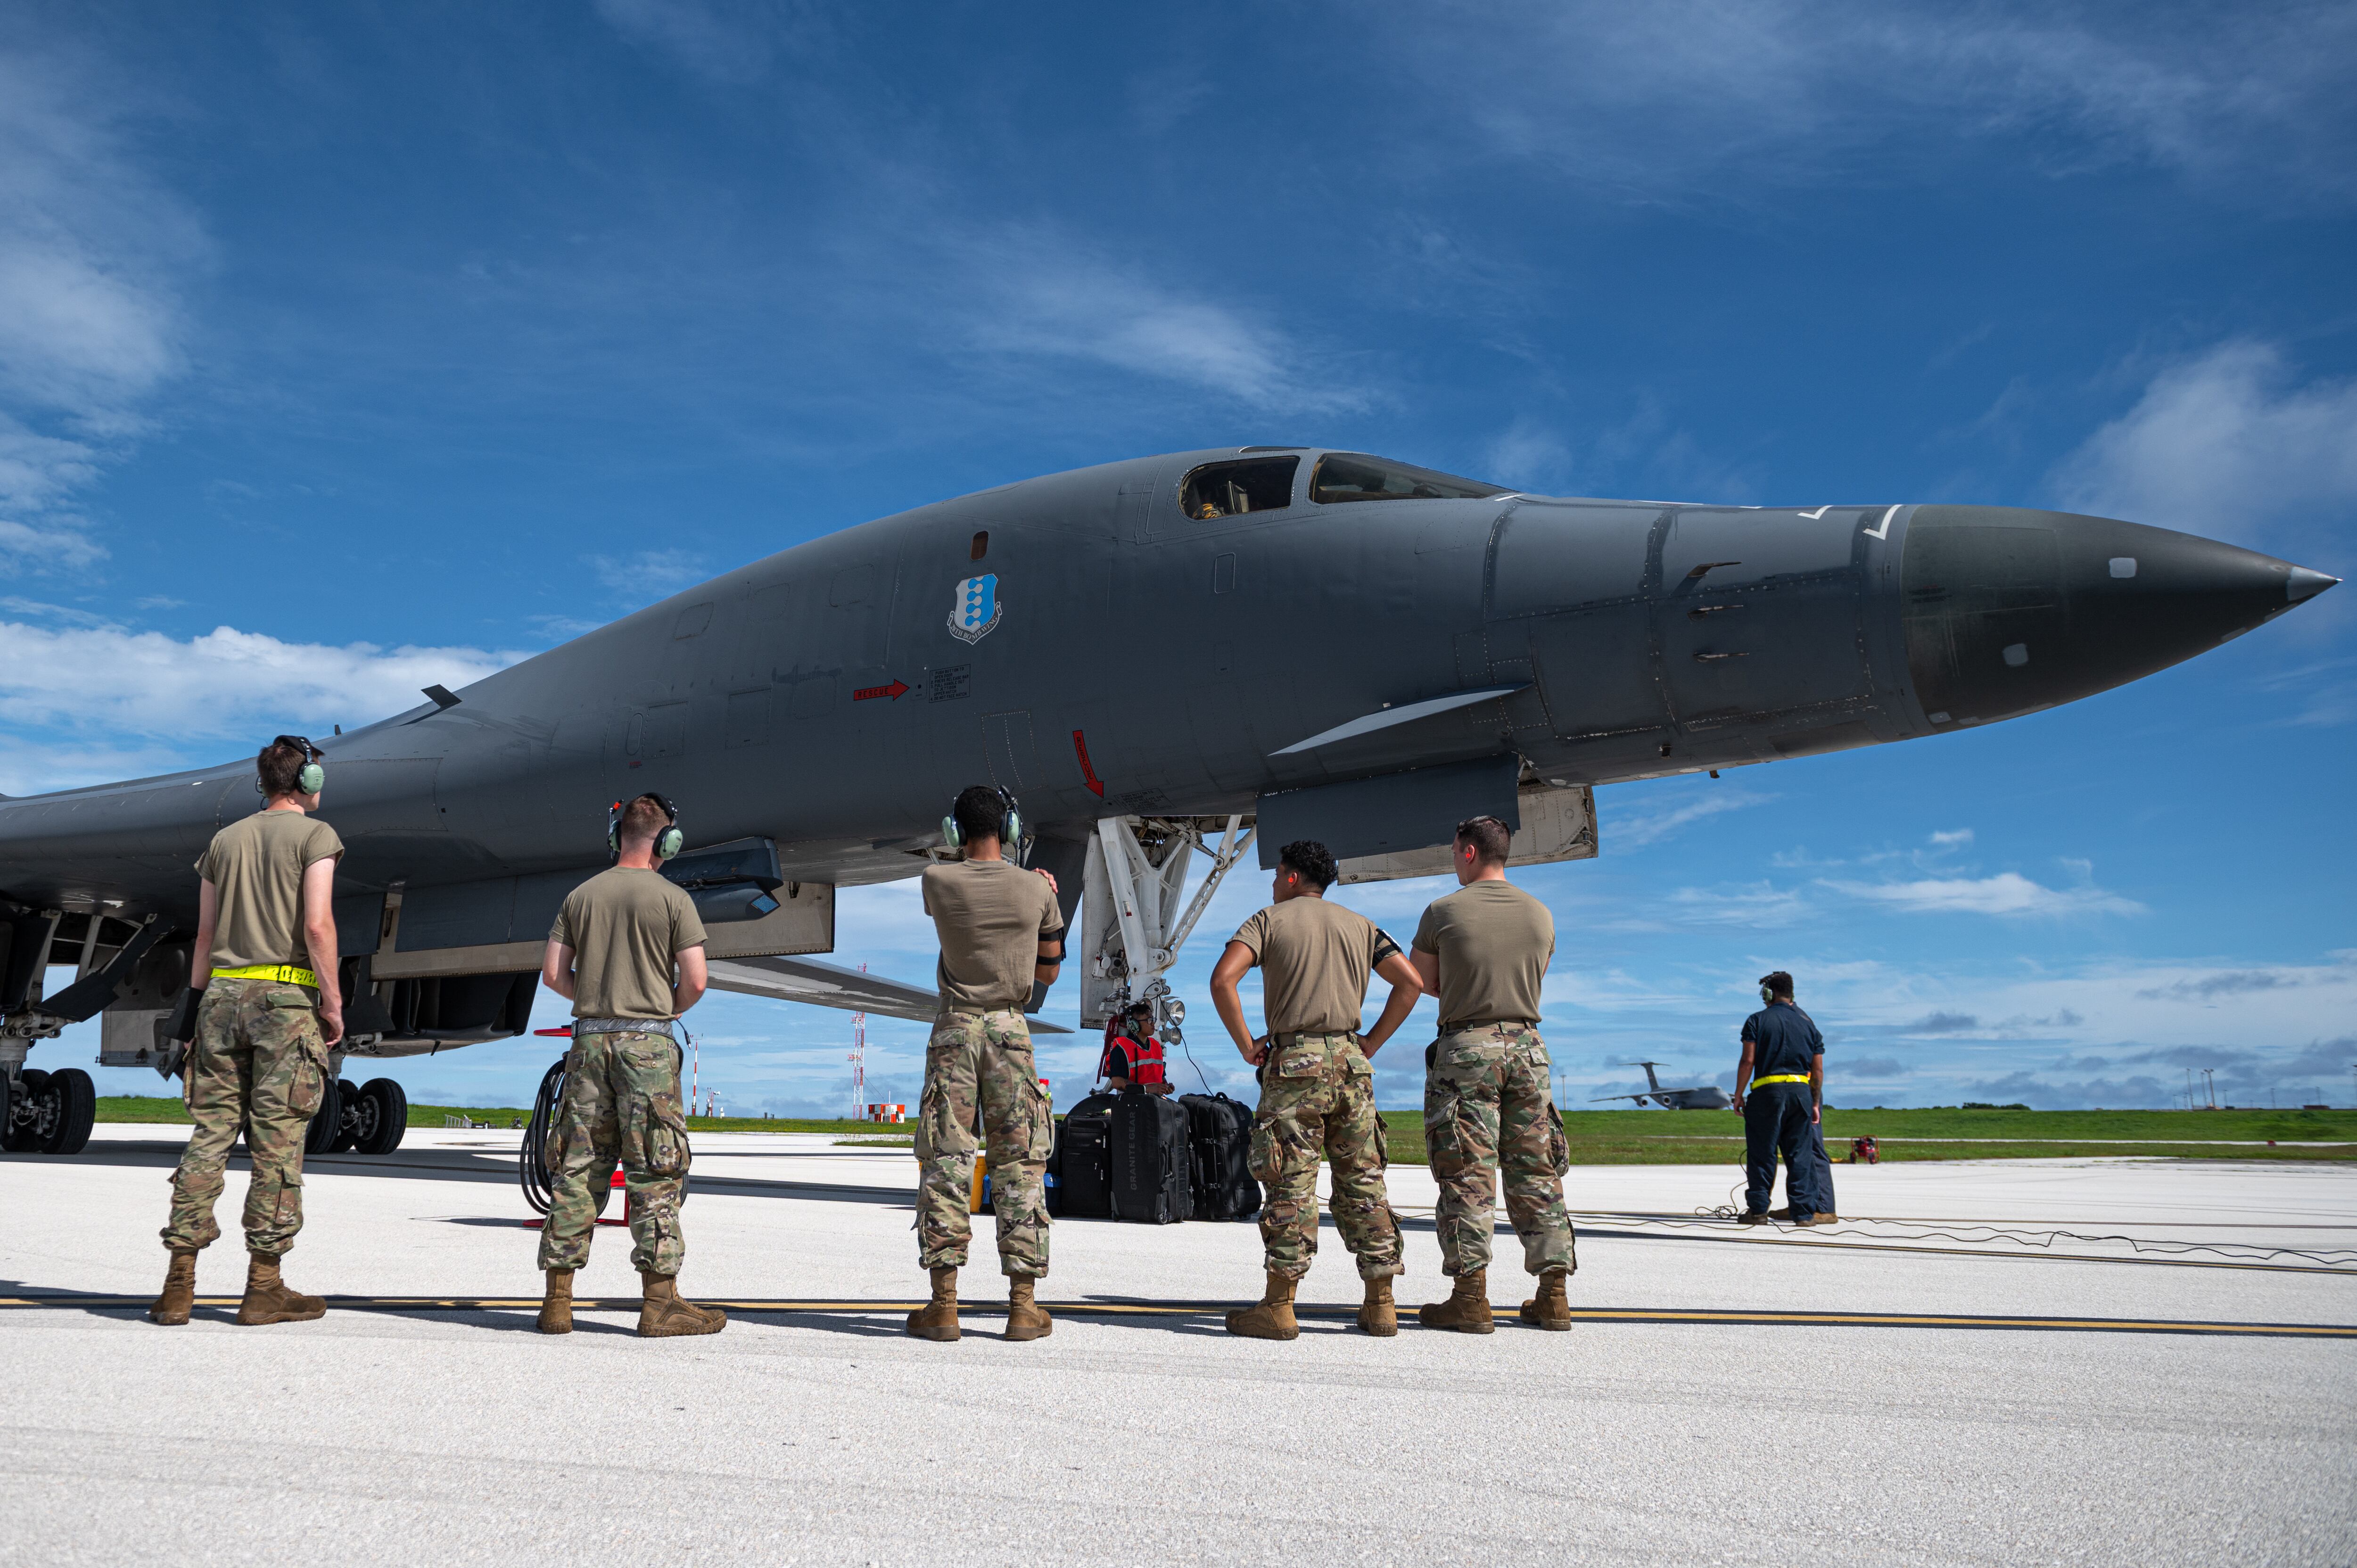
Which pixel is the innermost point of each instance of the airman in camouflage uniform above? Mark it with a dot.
(257, 1062)
(268, 1009)
(627, 949)
(1002, 943)
(1488, 1113)
(621, 1102)
(1487, 1101)
(1318, 1099)
(979, 1072)
(1317, 1084)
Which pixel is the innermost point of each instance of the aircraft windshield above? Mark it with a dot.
(1224, 489)
(1354, 477)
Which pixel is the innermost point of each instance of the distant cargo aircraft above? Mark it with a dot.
(1709, 1097)
(1159, 656)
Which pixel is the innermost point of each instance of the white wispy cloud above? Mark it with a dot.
(1655, 821)
(1950, 838)
(2229, 443)
(225, 683)
(649, 574)
(1727, 96)
(726, 41)
(1745, 904)
(91, 325)
(2008, 894)
(1047, 297)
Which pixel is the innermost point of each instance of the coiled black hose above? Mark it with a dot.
(531, 1163)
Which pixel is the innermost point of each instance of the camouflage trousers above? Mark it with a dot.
(621, 1102)
(1488, 1110)
(258, 1061)
(981, 1063)
(1317, 1097)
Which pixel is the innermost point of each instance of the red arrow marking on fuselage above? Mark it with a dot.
(892, 690)
(1088, 774)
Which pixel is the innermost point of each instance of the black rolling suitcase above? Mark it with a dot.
(1218, 1135)
(1082, 1173)
(1151, 1183)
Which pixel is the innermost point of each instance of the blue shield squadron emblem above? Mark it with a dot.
(976, 608)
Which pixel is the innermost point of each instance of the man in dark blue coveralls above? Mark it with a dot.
(1784, 1067)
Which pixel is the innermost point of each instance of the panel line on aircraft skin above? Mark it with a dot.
(1335, 1311)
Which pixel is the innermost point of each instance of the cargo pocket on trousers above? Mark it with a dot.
(1260, 1156)
(1043, 1121)
(1444, 1145)
(939, 1130)
(310, 1084)
(1559, 1145)
(666, 1136)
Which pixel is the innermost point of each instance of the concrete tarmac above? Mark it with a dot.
(2186, 1392)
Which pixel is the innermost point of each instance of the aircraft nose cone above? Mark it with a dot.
(2008, 611)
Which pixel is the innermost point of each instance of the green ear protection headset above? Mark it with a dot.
(310, 777)
(1766, 994)
(1010, 825)
(668, 842)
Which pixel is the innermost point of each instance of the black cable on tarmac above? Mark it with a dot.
(532, 1162)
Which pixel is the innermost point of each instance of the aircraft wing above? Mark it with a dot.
(1640, 1098)
(824, 985)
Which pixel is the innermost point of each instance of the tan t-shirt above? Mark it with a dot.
(992, 916)
(1314, 959)
(256, 865)
(625, 925)
(1493, 941)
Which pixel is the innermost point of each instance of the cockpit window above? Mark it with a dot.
(1224, 489)
(1354, 477)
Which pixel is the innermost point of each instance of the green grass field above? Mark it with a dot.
(1695, 1137)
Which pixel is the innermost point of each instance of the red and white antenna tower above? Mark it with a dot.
(858, 1059)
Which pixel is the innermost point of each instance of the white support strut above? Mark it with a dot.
(1132, 926)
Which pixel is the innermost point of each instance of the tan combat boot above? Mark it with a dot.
(556, 1303)
(1026, 1318)
(179, 1290)
(664, 1313)
(1377, 1315)
(1273, 1317)
(1549, 1309)
(936, 1319)
(1466, 1310)
(267, 1299)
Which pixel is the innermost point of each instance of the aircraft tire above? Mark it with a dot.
(77, 1100)
(327, 1120)
(25, 1137)
(349, 1114)
(388, 1106)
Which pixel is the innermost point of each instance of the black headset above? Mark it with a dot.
(668, 842)
(309, 778)
(1010, 824)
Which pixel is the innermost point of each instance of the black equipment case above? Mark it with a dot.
(1082, 1188)
(1219, 1134)
(1152, 1182)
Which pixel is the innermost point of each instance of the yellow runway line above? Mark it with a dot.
(422, 1305)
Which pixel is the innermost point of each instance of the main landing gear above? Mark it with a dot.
(47, 1112)
(359, 1119)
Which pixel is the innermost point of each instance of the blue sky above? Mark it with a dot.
(347, 350)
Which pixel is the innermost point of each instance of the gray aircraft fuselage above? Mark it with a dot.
(1127, 657)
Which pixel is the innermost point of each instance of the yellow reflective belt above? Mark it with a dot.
(284, 973)
(1757, 1082)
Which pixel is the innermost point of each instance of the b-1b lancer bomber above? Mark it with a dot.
(1160, 657)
